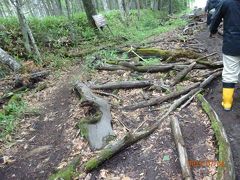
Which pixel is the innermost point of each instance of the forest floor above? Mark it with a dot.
(48, 142)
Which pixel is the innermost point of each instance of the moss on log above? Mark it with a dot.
(167, 54)
(226, 170)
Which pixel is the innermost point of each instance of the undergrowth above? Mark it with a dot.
(52, 34)
(9, 114)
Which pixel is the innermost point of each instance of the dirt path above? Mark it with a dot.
(230, 120)
(42, 141)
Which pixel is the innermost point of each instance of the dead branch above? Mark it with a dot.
(183, 157)
(97, 132)
(8, 60)
(123, 85)
(148, 69)
(111, 68)
(107, 94)
(159, 100)
(183, 73)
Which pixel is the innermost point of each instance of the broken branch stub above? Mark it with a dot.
(98, 132)
(8, 60)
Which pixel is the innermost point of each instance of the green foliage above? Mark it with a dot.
(9, 114)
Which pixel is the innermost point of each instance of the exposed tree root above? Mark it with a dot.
(99, 130)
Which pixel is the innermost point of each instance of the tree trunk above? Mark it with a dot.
(26, 29)
(170, 7)
(90, 11)
(8, 60)
(105, 5)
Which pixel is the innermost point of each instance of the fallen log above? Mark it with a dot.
(100, 130)
(165, 54)
(111, 68)
(123, 85)
(225, 169)
(29, 80)
(8, 60)
(183, 157)
(180, 76)
(130, 138)
(148, 69)
(159, 100)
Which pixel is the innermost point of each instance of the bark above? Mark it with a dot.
(27, 33)
(8, 60)
(180, 76)
(105, 5)
(90, 11)
(167, 54)
(226, 171)
(182, 152)
(30, 80)
(99, 131)
(121, 9)
(111, 68)
(159, 100)
(123, 85)
(148, 69)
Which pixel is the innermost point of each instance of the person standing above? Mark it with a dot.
(210, 8)
(229, 12)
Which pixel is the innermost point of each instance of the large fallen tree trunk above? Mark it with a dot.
(98, 131)
(182, 152)
(225, 158)
(123, 85)
(8, 60)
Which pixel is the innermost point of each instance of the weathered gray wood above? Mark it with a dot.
(183, 73)
(101, 130)
(123, 85)
(147, 69)
(8, 60)
(224, 149)
(183, 157)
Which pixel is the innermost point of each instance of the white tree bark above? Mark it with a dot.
(105, 5)
(8, 60)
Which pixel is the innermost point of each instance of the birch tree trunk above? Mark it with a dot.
(105, 5)
(8, 60)
(27, 33)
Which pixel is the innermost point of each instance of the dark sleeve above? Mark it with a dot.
(217, 18)
(207, 5)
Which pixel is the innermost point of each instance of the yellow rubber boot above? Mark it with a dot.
(227, 98)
